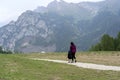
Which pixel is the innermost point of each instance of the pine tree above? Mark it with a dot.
(107, 43)
(118, 42)
(96, 47)
(1, 50)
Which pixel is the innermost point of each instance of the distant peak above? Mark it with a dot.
(61, 0)
(58, 1)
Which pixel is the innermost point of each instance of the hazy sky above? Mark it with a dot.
(11, 9)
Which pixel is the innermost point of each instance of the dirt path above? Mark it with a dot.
(85, 65)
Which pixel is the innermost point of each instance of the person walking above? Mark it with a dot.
(73, 51)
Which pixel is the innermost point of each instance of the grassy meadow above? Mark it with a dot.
(21, 67)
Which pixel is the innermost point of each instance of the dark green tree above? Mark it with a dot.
(96, 47)
(117, 42)
(107, 43)
(1, 49)
(4, 52)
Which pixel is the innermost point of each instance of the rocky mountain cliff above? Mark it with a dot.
(52, 28)
(79, 11)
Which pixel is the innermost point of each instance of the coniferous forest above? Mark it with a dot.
(107, 43)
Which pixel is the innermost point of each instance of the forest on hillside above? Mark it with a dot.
(107, 43)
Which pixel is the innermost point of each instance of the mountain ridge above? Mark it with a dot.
(52, 28)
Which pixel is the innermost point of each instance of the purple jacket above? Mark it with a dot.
(73, 48)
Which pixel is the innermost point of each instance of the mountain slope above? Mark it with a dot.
(52, 28)
(24, 31)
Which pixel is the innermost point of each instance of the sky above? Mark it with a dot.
(11, 9)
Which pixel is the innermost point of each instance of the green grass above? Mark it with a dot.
(20, 67)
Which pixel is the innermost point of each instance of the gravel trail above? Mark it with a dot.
(85, 65)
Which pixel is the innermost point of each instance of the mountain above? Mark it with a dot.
(111, 5)
(80, 11)
(52, 28)
(34, 32)
(23, 34)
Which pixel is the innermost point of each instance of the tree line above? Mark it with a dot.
(4, 52)
(107, 43)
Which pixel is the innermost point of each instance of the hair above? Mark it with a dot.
(72, 43)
